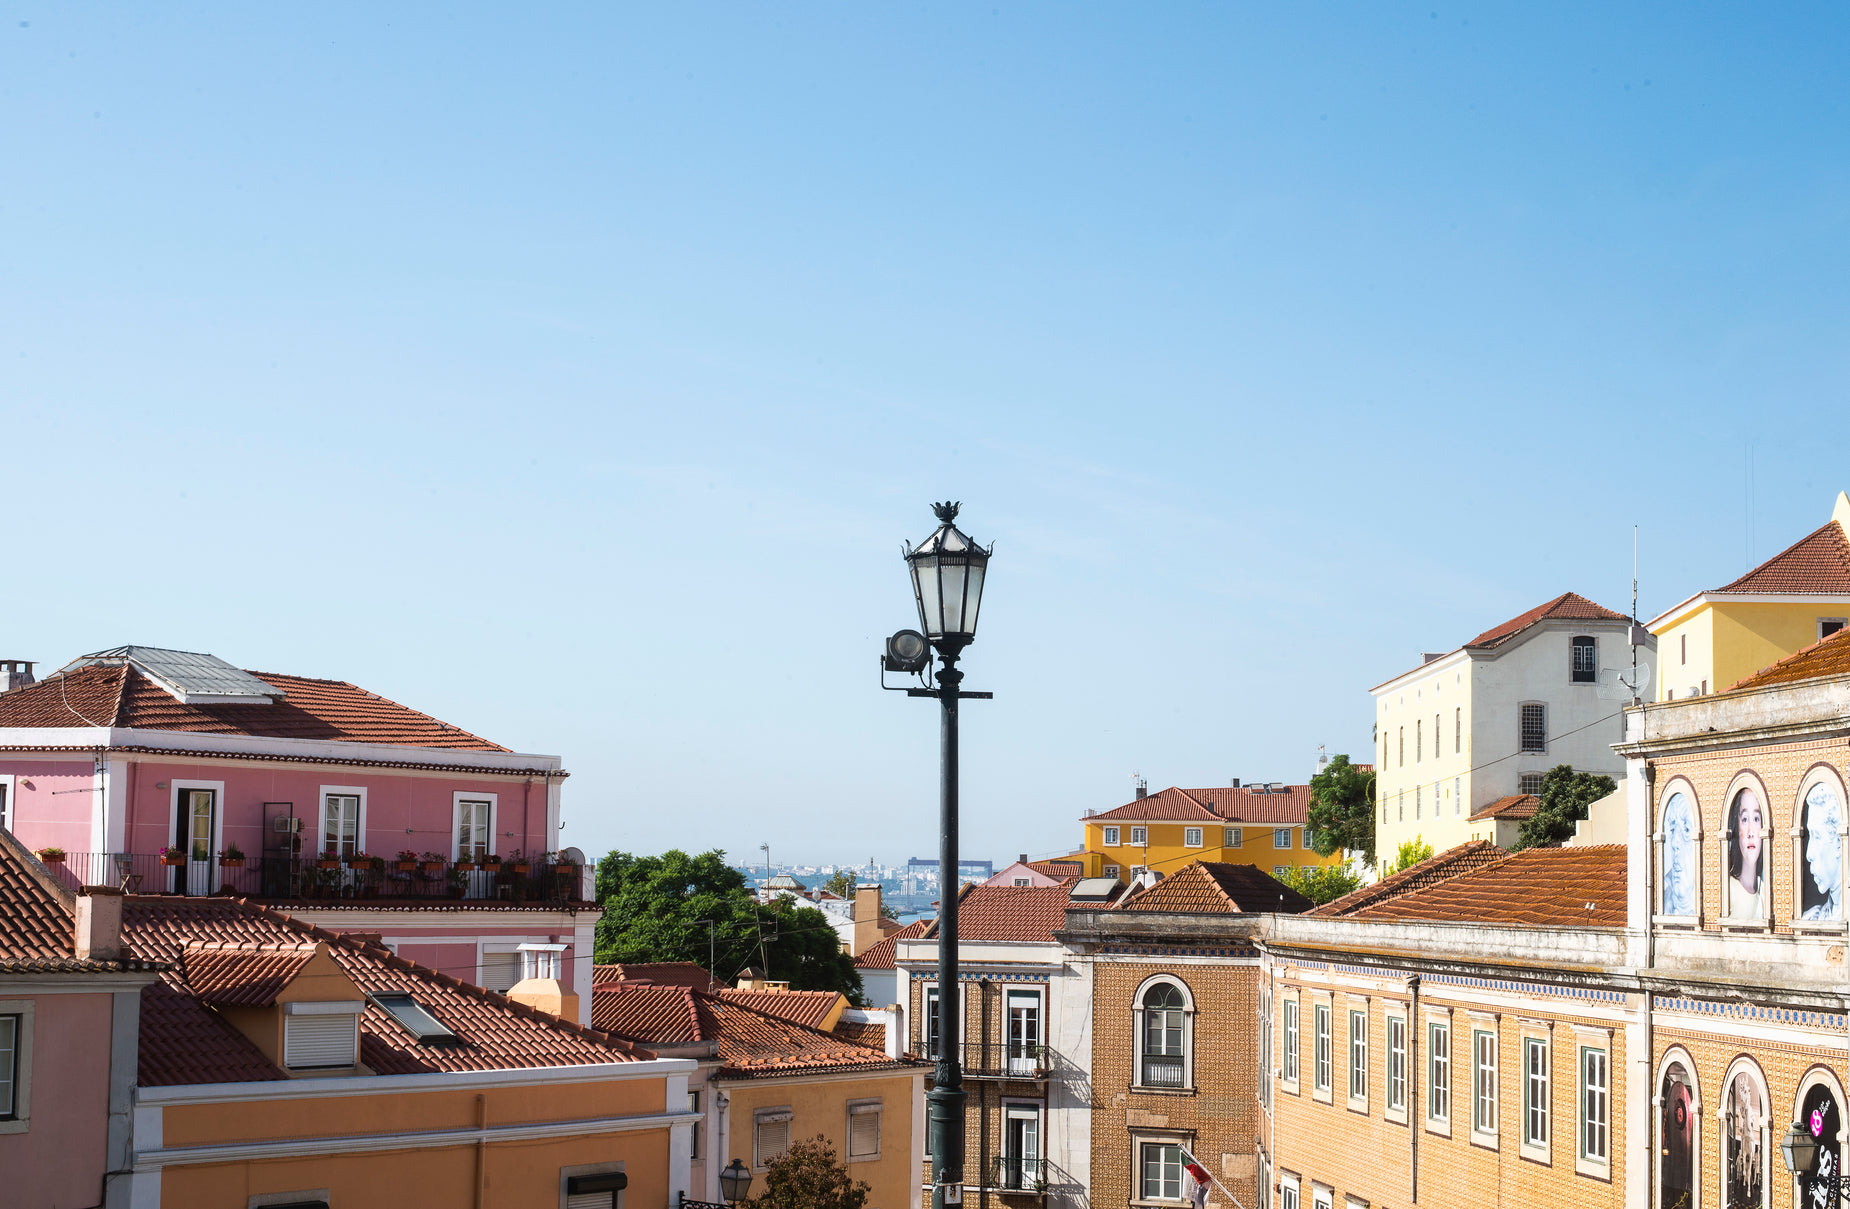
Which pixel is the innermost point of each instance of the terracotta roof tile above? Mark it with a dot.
(662, 973)
(1567, 606)
(118, 695)
(870, 1033)
(495, 1033)
(1535, 888)
(1476, 854)
(808, 1008)
(242, 975)
(38, 919)
(1249, 804)
(184, 1041)
(1515, 806)
(652, 1013)
(1023, 914)
(1826, 657)
(880, 956)
(1058, 868)
(749, 1043)
(1218, 888)
(1818, 563)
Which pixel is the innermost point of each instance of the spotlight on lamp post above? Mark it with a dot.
(947, 571)
(1813, 1164)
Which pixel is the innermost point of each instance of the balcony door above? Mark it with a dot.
(1021, 1146)
(1024, 1031)
(197, 825)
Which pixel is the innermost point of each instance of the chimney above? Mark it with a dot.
(1235, 783)
(99, 924)
(1023, 860)
(867, 930)
(1143, 789)
(15, 673)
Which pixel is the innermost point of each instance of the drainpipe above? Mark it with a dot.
(1413, 1089)
(1651, 1113)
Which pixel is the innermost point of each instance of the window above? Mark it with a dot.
(1458, 796)
(1403, 747)
(475, 836)
(416, 1018)
(1281, 837)
(6, 799)
(592, 1186)
(1436, 742)
(1140, 836)
(1358, 1055)
(1278, 871)
(1418, 729)
(1529, 782)
(500, 971)
(1024, 1032)
(1418, 797)
(1021, 1145)
(1458, 730)
(1534, 727)
(1396, 1064)
(1111, 837)
(340, 823)
(1291, 1041)
(770, 1135)
(1235, 837)
(1594, 1105)
(1162, 1172)
(1265, 1047)
(864, 1131)
(1683, 648)
(931, 1022)
(1484, 1082)
(1111, 871)
(9, 1068)
(1322, 1080)
(1310, 837)
(1163, 1020)
(542, 961)
(1584, 668)
(1534, 1092)
(1438, 1071)
(1022, 881)
(1829, 625)
(1191, 837)
(693, 1105)
(1288, 1195)
(321, 1035)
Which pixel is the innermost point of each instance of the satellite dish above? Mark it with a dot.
(1623, 683)
(572, 856)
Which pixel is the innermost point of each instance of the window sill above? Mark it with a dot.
(1141, 1090)
(1321, 1097)
(1439, 1129)
(1358, 1104)
(1743, 925)
(1485, 1141)
(1394, 1116)
(1535, 1154)
(1677, 921)
(18, 1126)
(1819, 927)
(1593, 1169)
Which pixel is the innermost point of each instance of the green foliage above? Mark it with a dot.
(651, 904)
(808, 1176)
(841, 883)
(1322, 883)
(1566, 794)
(1342, 809)
(1410, 853)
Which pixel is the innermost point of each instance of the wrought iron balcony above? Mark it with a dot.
(308, 879)
(1004, 1060)
(1163, 1070)
(1011, 1174)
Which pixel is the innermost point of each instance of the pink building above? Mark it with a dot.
(169, 772)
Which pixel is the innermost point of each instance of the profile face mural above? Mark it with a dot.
(1819, 1114)
(1676, 1175)
(1746, 856)
(1821, 877)
(1745, 1172)
(1679, 856)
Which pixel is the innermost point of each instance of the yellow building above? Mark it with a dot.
(1262, 825)
(1780, 607)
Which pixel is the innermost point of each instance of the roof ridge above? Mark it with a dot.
(1839, 541)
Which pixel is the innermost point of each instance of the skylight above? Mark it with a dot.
(416, 1019)
(191, 677)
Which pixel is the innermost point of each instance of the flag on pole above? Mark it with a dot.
(1198, 1182)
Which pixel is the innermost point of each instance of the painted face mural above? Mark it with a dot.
(1746, 856)
(1679, 857)
(1821, 889)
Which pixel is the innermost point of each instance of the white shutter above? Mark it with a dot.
(590, 1200)
(864, 1131)
(500, 971)
(772, 1137)
(320, 1041)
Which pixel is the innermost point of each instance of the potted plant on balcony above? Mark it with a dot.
(466, 865)
(519, 862)
(491, 862)
(432, 862)
(407, 861)
(363, 860)
(457, 880)
(329, 859)
(51, 854)
(173, 855)
(231, 857)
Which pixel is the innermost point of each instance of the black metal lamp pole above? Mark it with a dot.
(948, 570)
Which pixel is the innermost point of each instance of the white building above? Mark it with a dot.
(1481, 723)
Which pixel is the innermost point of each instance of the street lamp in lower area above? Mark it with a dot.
(1800, 1148)
(734, 1182)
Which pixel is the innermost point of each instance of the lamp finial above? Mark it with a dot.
(947, 511)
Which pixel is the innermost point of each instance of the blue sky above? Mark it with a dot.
(575, 375)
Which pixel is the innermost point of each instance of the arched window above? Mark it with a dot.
(1678, 1140)
(1678, 869)
(1819, 1111)
(1745, 1137)
(1163, 1028)
(1744, 859)
(1818, 848)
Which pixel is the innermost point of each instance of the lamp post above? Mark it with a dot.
(1800, 1149)
(947, 571)
(734, 1182)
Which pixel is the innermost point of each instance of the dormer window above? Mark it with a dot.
(321, 1036)
(542, 961)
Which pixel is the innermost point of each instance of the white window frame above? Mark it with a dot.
(1138, 1142)
(1841, 623)
(494, 821)
(322, 793)
(175, 790)
(1235, 837)
(1591, 1094)
(693, 1106)
(1291, 1048)
(1484, 1085)
(1537, 1097)
(763, 1116)
(1439, 1075)
(1358, 1059)
(1321, 1076)
(1140, 1039)
(1019, 1109)
(1111, 837)
(541, 961)
(1395, 1101)
(861, 1109)
(1140, 837)
(1111, 870)
(931, 1024)
(1521, 742)
(1012, 994)
(21, 1119)
(1191, 837)
(1287, 1191)
(8, 788)
(1281, 839)
(340, 1010)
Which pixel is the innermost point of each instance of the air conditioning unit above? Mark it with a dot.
(288, 824)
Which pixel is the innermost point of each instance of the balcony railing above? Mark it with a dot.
(1013, 1174)
(1162, 1070)
(1004, 1059)
(308, 879)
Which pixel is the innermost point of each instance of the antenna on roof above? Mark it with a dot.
(1615, 684)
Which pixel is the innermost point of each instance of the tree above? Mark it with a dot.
(654, 905)
(1322, 883)
(1342, 809)
(808, 1176)
(1410, 853)
(1566, 795)
(841, 883)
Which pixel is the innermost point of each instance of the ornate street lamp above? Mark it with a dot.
(1800, 1148)
(947, 570)
(734, 1182)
